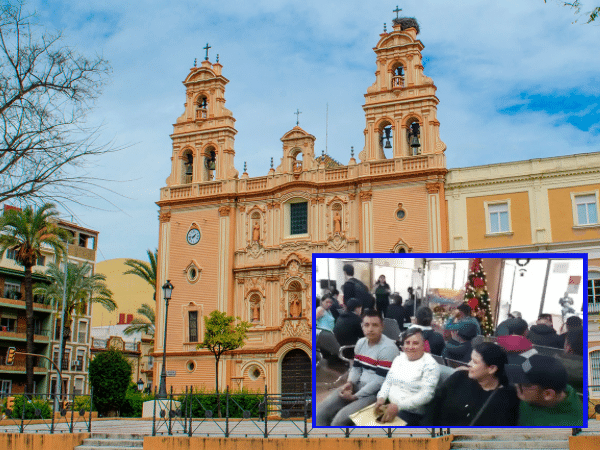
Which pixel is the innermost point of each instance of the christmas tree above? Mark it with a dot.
(477, 297)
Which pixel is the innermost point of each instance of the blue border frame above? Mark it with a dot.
(583, 256)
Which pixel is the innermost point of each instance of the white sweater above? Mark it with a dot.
(411, 384)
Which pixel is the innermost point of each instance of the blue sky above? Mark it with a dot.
(516, 80)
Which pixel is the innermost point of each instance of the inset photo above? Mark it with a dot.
(450, 340)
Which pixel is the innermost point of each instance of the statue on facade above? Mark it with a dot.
(256, 232)
(337, 223)
(255, 307)
(295, 307)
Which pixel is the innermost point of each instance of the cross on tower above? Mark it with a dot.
(397, 10)
(206, 48)
(298, 112)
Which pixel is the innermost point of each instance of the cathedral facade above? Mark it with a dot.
(243, 245)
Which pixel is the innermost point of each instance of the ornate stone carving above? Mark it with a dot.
(164, 216)
(296, 328)
(295, 307)
(365, 196)
(224, 210)
(337, 223)
(433, 188)
(337, 242)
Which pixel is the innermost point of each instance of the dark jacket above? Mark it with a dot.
(544, 335)
(354, 288)
(458, 351)
(347, 329)
(399, 314)
(436, 342)
(459, 399)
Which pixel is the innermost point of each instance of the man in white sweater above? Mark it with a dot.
(411, 381)
(373, 356)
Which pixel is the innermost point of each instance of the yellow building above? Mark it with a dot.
(539, 205)
(129, 292)
(243, 245)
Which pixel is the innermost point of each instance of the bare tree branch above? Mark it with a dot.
(46, 91)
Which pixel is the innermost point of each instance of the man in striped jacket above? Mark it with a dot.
(373, 356)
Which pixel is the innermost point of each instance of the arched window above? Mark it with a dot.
(386, 137)
(202, 107)
(398, 76)
(297, 160)
(413, 136)
(210, 162)
(188, 167)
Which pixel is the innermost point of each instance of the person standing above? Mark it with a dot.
(354, 288)
(382, 294)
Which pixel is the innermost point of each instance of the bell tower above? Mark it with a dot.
(401, 105)
(203, 136)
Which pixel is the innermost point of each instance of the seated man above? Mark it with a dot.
(373, 356)
(546, 398)
(459, 348)
(543, 333)
(517, 346)
(462, 314)
(347, 328)
(435, 340)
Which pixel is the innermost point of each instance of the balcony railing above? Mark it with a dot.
(593, 307)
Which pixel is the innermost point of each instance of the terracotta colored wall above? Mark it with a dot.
(200, 443)
(520, 218)
(584, 442)
(561, 215)
(27, 441)
(205, 253)
(412, 229)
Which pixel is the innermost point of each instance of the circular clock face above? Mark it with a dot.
(193, 236)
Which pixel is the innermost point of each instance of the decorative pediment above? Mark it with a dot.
(297, 133)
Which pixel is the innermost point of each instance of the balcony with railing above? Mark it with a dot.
(593, 308)
(320, 174)
(40, 365)
(19, 333)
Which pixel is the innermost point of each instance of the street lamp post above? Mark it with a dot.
(162, 391)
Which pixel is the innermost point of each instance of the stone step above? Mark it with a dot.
(540, 443)
(112, 442)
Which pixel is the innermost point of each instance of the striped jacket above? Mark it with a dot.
(371, 365)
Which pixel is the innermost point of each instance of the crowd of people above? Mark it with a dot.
(502, 383)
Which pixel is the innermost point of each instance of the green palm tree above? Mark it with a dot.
(26, 232)
(140, 325)
(147, 272)
(82, 287)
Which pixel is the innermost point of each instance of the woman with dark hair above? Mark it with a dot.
(479, 396)
(382, 294)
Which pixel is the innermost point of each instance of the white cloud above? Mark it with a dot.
(283, 55)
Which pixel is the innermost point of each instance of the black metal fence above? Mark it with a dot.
(50, 413)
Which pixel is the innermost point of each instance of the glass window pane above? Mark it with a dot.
(504, 222)
(592, 213)
(581, 215)
(494, 226)
(299, 218)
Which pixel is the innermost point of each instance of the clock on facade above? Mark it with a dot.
(193, 236)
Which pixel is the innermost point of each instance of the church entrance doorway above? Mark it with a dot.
(296, 373)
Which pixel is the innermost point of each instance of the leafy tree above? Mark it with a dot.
(222, 335)
(82, 287)
(576, 6)
(147, 272)
(26, 232)
(110, 375)
(46, 90)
